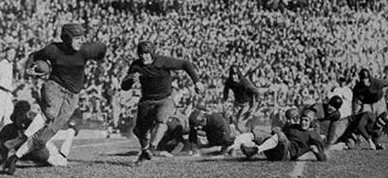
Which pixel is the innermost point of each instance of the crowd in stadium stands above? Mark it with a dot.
(292, 51)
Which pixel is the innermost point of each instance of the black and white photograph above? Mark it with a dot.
(194, 88)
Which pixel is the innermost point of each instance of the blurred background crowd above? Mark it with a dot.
(292, 50)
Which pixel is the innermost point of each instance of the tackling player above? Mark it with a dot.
(218, 132)
(60, 92)
(156, 104)
(290, 143)
(292, 116)
(21, 118)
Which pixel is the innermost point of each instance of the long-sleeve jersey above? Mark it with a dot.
(217, 131)
(177, 127)
(242, 90)
(301, 140)
(155, 78)
(324, 118)
(67, 64)
(370, 94)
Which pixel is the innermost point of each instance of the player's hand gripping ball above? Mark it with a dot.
(40, 68)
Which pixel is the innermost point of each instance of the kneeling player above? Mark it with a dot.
(176, 136)
(22, 117)
(291, 143)
(216, 128)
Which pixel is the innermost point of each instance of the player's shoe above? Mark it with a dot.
(379, 147)
(10, 165)
(13, 143)
(248, 151)
(144, 155)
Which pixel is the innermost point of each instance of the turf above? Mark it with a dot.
(115, 158)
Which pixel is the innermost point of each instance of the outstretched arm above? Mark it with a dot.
(177, 64)
(95, 51)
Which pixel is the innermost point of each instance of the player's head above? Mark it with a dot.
(234, 73)
(22, 114)
(197, 119)
(292, 116)
(308, 116)
(73, 35)
(334, 104)
(146, 51)
(364, 76)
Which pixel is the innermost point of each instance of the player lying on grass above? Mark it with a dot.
(216, 128)
(290, 143)
(364, 124)
(292, 116)
(176, 136)
(22, 117)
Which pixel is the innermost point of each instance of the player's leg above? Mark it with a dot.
(59, 157)
(66, 108)
(142, 129)
(58, 107)
(338, 129)
(259, 137)
(164, 110)
(37, 123)
(143, 123)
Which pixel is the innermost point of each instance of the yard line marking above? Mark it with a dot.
(298, 169)
(99, 144)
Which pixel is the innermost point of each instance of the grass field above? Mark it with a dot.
(115, 158)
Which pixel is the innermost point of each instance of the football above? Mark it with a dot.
(42, 66)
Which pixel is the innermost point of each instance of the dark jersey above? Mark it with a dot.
(242, 90)
(370, 94)
(67, 64)
(177, 127)
(324, 119)
(10, 131)
(155, 78)
(301, 140)
(217, 131)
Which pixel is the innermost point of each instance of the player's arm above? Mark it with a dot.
(316, 146)
(362, 124)
(226, 90)
(130, 78)
(188, 67)
(193, 140)
(94, 50)
(46, 54)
